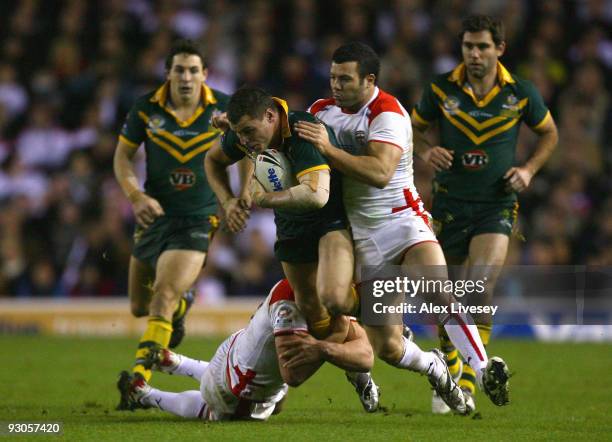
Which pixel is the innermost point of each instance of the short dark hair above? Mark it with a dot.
(366, 58)
(248, 100)
(184, 46)
(478, 23)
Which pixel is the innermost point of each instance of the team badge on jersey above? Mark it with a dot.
(451, 104)
(475, 159)
(182, 178)
(360, 136)
(156, 122)
(284, 317)
(510, 108)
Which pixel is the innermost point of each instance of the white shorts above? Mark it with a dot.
(388, 245)
(221, 403)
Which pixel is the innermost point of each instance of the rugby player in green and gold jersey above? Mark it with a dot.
(176, 211)
(313, 245)
(478, 108)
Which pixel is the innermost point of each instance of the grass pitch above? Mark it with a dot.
(559, 392)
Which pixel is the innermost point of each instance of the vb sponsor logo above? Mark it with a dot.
(182, 178)
(475, 159)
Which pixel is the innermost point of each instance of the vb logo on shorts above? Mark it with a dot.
(475, 159)
(182, 178)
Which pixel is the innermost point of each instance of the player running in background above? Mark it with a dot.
(478, 108)
(388, 221)
(176, 211)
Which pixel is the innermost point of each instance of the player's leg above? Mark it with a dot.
(487, 254)
(429, 259)
(390, 344)
(140, 286)
(303, 280)
(335, 273)
(139, 394)
(167, 361)
(176, 272)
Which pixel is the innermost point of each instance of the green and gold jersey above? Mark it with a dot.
(304, 158)
(175, 150)
(482, 133)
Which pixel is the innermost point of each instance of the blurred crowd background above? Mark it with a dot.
(70, 70)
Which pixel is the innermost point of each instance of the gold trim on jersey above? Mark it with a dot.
(478, 126)
(543, 122)
(161, 97)
(286, 130)
(128, 142)
(183, 158)
(503, 77)
(177, 140)
(312, 169)
(420, 121)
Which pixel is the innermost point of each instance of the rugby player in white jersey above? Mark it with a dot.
(250, 373)
(386, 214)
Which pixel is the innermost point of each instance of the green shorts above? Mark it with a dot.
(173, 233)
(456, 222)
(305, 247)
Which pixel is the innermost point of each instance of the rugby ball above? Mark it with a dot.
(273, 171)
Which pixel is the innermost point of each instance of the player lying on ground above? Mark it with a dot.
(249, 374)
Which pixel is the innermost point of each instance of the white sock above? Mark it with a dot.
(463, 333)
(415, 359)
(188, 404)
(191, 367)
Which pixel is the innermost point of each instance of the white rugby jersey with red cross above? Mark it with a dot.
(382, 119)
(252, 363)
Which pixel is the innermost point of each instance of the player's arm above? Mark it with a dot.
(375, 168)
(145, 208)
(300, 354)
(236, 208)
(518, 178)
(436, 156)
(311, 193)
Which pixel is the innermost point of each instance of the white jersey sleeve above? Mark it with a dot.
(286, 318)
(390, 128)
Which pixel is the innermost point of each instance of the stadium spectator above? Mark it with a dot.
(114, 53)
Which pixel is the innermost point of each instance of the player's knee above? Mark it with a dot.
(165, 293)
(336, 300)
(138, 310)
(390, 352)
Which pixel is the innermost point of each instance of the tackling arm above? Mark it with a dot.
(375, 168)
(300, 355)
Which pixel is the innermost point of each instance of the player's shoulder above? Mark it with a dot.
(295, 116)
(385, 102)
(321, 105)
(281, 291)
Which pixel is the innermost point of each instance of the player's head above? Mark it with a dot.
(185, 70)
(253, 115)
(353, 75)
(482, 43)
